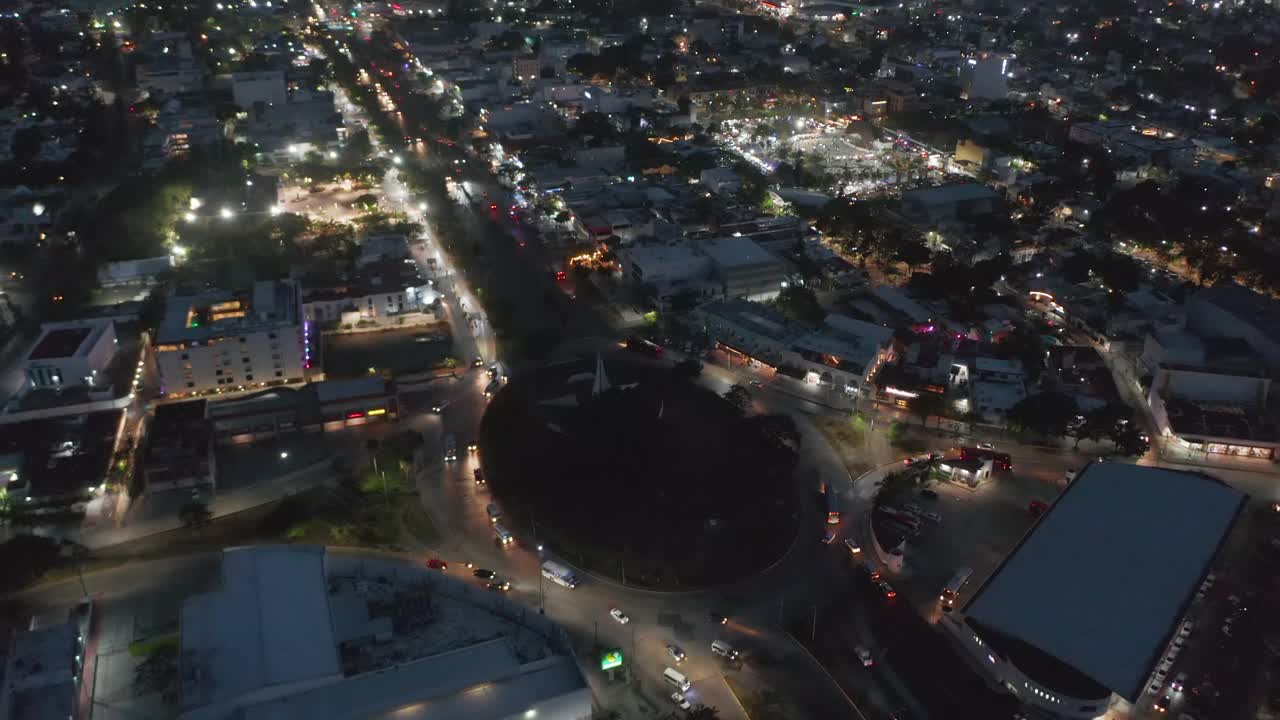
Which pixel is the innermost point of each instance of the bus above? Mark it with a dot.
(953, 586)
(833, 505)
(559, 574)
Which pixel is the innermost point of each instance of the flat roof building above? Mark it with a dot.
(232, 340)
(42, 674)
(1086, 604)
(70, 354)
(294, 633)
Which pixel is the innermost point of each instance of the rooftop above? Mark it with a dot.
(1145, 535)
(752, 317)
(733, 252)
(945, 194)
(268, 626)
(217, 313)
(64, 455)
(1227, 423)
(481, 681)
(59, 343)
(1259, 311)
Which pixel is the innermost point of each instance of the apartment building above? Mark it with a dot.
(222, 340)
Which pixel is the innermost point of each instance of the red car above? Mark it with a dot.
(1037, 508)
(437, 564)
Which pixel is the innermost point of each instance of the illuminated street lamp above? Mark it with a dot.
(225, 213)
(189, 216)
(196, 203)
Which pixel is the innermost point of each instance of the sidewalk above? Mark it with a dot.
(228, 503)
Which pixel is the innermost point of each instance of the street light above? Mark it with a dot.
(189, 216)
(225, 213)
(284, 454)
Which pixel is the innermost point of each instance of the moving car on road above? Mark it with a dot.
(865, 656)
(440, 406)
(718, 617)
(493, 512)
(675, 653)
(437, 564)
(724, 650)
(828, 536)
(479, 476)
(484, 574)
(854, 549)
(620, 616)
(498, 585)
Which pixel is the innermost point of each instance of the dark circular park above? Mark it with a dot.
(644, 476)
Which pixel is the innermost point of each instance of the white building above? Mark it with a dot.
(1228, 310)
(296, 633)
(42, 675)
(745, 269)
(984, 77)
(1079, 616)
(70, 354)
(384, 291)
(721, 181)
(264, 86)
(221, 340)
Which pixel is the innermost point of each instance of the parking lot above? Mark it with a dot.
(979, 528)
(398, 351)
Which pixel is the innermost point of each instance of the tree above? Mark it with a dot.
(688, 369)
(595, 125)
(928, 404)
(195, 514)
(738, 396)
(1100, 422)
(1047, 413)
(800, 304)
(1129, 440)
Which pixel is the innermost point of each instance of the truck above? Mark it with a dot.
(559, 574)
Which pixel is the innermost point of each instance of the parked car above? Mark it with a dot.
(865, 656)
(620, 616)
(680, 701)
(676, 653)
(437, 564)
(928, 494)
(932, 516)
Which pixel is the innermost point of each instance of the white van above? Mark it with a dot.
(503, 534)
(678, 680)
(724, 650)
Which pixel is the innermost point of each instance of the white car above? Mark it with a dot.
(865, 656)
(620, 616)
(680, 701)
(853, 546)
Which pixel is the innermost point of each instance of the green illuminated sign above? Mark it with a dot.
(610, 659)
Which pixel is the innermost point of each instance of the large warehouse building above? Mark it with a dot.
(1080, 613)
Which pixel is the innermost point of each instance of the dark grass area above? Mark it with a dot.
(662, 484)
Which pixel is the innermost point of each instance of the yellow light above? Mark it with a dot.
(376, 411)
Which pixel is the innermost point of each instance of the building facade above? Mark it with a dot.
(222, 341)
